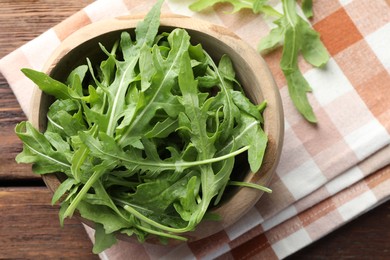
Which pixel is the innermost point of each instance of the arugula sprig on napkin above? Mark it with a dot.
(146, 140)
(296, 36)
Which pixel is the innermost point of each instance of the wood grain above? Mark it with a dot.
(22, 20)
(30, 227)
(10, 115)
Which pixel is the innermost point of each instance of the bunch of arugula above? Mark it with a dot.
(148, 139)
(296, 36)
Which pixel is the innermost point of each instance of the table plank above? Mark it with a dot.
(30, 229)
(29, 225)
(10, 115)
(23, 20)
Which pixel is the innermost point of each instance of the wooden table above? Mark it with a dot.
(29, 226)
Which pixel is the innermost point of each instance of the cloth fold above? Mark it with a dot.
(329, 173)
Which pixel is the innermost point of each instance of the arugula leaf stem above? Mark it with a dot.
(163, 234)
(114, 48)
(95, 176)
(54, 123)
(229, 105)
(250, 185)
(291, 16)
(261, 107)
(154, 223)
(269, 10)
(172, 166)
(292, 20)
(229, 145)
(124, 203)
(80, 156)
(213, 160)
(47, 157)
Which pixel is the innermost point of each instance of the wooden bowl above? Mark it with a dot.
(251, 71)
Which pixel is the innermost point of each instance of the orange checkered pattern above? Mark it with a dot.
(329, 173)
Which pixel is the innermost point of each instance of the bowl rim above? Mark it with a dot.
(245, 198)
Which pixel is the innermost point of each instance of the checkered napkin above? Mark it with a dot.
(329, 173)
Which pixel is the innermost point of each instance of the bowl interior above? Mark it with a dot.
(251, 71)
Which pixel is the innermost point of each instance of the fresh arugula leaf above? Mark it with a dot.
(146, 67)
(307, 8)
(203, 4)
(225, 75)
(297, 84)
(295, 35)
(200, 138)
(98, 172)
(188, 203)
(312, 49)
(102, 239)
(65, 186)
(299, 38)
(103, 215)
(159, 194)
(47, 84)
(158, 95)
(245, 105)
(257, 6)
(163, 129)
(274, 38)
(257, 149)
(38, 150)
(147, 29)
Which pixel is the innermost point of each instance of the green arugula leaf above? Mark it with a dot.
(312, 48)
(163, 129)
(299, 37)
(247, 132)
(125, 74)
(200, 137)
(307, 8)
(147, 29)
(295, 35)
(188, 203)
(66, 116)
(245, 105)
(159, 194)
(225, 75)
(273, 39)
(103, 215)
(258, 140)
(237, 5)
(297, 84)
(65, 186)
(102, 239)
(47, 84)
(146, 67)
(98, 172)
(158, 95)
(38, 150)
(257, 6)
